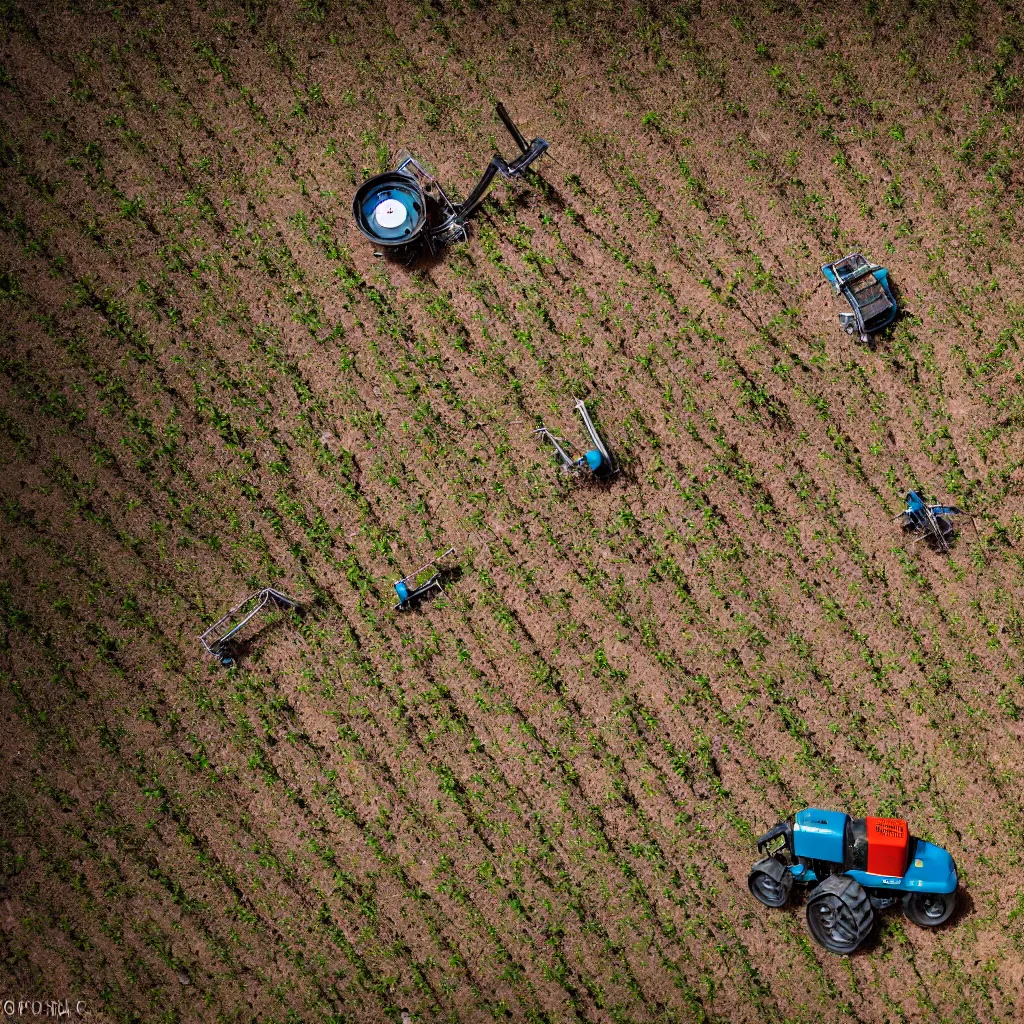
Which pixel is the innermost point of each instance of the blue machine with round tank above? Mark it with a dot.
(934, 524)
(411, 589)
(406, 208)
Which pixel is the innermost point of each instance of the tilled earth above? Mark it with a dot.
(536, 797)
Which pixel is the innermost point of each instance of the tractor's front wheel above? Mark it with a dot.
(929, 909)
(770, 882)
(839, 914)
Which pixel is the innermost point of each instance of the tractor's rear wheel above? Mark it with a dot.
(839, 914)
(770, 881)
(929, 909)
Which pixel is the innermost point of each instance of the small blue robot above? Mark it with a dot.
(931, 523)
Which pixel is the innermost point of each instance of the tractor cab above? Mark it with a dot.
(829, 841)
(915, 510)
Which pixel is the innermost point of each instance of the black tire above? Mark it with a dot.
(929, 909)
(839, 914)
(770, 882)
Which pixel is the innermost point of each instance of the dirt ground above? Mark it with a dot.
(535, 797)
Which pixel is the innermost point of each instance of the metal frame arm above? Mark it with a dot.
(507, 121)
(568, 461)
(498, 165)
(476, 197)
(588, 424)
(423, 568)
(784, 829)
(262, 599)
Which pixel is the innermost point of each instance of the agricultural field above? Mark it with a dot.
(535, 798)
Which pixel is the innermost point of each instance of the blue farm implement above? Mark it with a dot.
(413, 588)
(857, 866)
(865, 286)
(221, 640)
(931, 523)
(596, 460)
(407, 209)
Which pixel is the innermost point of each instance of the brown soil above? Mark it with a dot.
(535, 797)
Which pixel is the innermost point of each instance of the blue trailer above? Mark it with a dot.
(865, 286)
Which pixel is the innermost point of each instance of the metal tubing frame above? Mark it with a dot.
(510, 125)
(575, 465)
(263, 598)
(933, 529)
(855, 275)
(588, 424)
(841, 286)
(569, 464)
(498, 165)
(431, 584)
(448, 230)
(930, 528)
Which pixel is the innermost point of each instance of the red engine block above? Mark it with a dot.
(888, 846)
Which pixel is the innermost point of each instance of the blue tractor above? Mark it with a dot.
(856, 866)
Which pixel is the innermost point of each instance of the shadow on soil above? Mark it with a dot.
(248, 651)
(450, 576)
